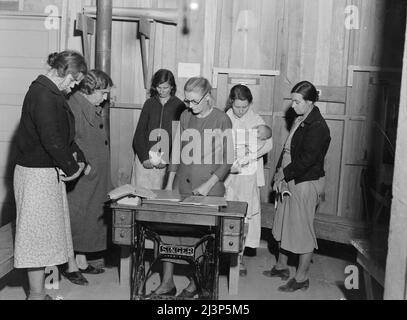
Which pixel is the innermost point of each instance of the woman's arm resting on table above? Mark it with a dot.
(205, 188)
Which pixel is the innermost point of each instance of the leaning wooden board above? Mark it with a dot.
(6, 249)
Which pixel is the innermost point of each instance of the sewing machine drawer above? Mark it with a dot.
(232, 226)
(123, 217)
(123, 236)
(232, 244)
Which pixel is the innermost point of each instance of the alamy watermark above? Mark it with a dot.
(352, 280)
(52, 278)
(352, 18)
(214, 146)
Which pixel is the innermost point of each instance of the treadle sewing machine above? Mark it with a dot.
(225, 225)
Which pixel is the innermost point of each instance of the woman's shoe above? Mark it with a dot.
(250, 252)
(91, 270)
(185, 294)
(274, 273)
(293, 285)
(76, 278)
(170, 293)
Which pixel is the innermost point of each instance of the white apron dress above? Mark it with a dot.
(245, 186)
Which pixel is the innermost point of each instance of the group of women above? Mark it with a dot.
(63, 147)
(240, 174)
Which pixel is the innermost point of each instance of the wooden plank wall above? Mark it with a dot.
(127, 74)
(305, 40)
(314, 48)
(369, 46)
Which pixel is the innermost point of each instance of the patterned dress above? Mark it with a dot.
(43, 237)
(45, 144)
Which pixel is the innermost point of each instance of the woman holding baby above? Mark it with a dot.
(252, 140)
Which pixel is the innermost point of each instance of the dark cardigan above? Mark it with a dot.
(309, 147)
(155, 116)
(45, 137)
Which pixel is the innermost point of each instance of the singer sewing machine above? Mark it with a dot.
(226, 231)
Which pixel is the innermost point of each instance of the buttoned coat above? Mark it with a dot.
(309, 147)
(87, 196)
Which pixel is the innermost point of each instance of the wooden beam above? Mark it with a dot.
(327, 93)
(135, 14)
(395, 287)
(145, 28)
(145, 33)
(144, 59)
(353, 69)
(151, 50)
(128, 106)
(258, 72)
(85, 22)
(88, 27)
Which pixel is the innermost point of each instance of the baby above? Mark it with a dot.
(246, 151)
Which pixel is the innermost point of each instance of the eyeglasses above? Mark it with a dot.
(188, 102)
(103, 91)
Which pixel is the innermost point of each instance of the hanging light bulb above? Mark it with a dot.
(194, 5)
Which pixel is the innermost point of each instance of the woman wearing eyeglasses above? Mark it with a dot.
(201, 171)
(159, 112)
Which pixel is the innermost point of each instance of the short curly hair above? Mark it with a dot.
(95, 80)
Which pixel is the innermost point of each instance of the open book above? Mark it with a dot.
(130, 190)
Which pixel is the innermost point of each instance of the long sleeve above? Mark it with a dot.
(76, 110)
(46, 120)
(313, 144)
(140, 140)
(228, 150)
(176, 150)
(266, 148)
(79, 153)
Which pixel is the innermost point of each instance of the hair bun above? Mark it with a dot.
(52, 58)
(318, 95)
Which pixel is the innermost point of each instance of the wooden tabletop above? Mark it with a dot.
(234, 209)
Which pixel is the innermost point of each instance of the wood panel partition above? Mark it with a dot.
(301, 40)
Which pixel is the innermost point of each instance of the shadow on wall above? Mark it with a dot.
(8, 207)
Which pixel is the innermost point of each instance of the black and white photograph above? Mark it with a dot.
(203, 154)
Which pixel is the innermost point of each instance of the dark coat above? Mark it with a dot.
(87, 195)
(156, 116)
(45, 137)
(309, 147)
